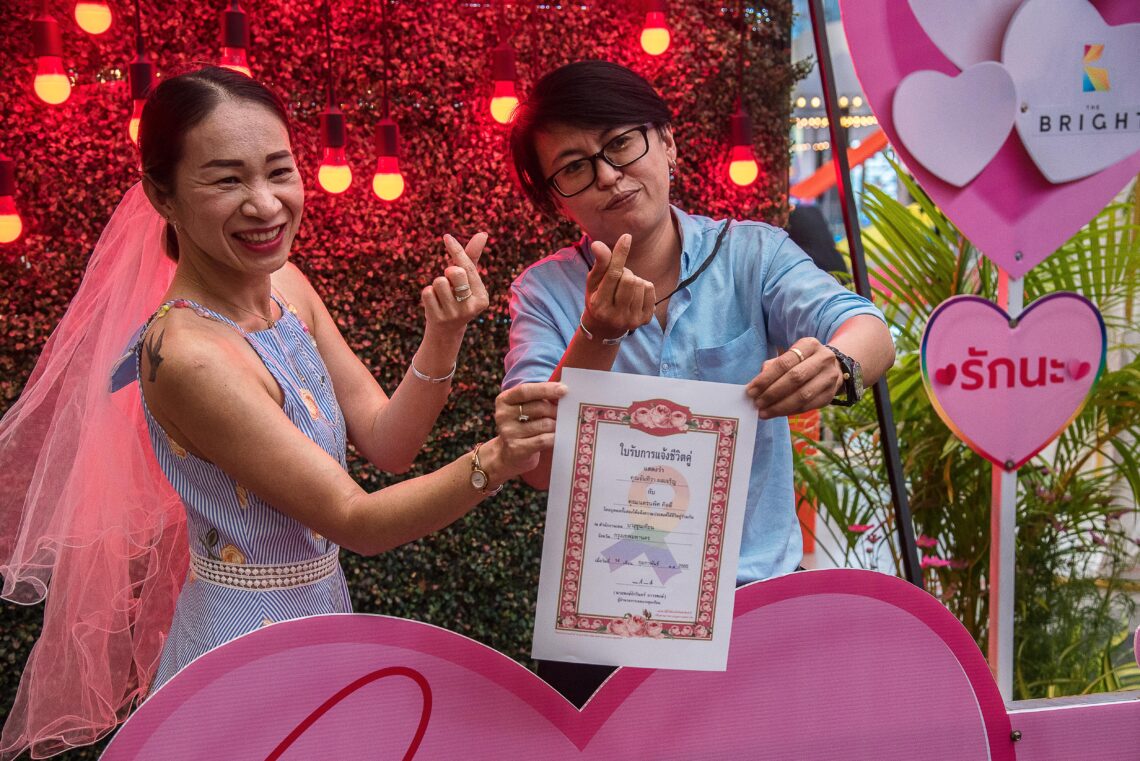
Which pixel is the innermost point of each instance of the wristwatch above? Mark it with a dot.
(479, 477)
(852, 378)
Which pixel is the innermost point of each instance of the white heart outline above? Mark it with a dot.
(1025, 73)
(974, 138)
(958, 40)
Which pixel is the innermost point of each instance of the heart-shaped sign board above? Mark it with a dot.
(966, 31)
(1010, 210)
(1078, 83)
(981, 100)
(805, 680)
(1008, 388)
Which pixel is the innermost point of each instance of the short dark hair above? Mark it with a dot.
(597, 95)
(177, 105)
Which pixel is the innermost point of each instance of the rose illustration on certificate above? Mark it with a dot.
(648, 486)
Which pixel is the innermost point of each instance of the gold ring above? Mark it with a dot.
(797, 352)
(523, 417)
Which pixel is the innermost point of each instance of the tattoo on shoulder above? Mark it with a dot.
(153, 348)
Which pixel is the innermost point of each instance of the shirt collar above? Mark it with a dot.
(692, 242)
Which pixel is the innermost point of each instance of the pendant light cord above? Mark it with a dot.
(328, 54)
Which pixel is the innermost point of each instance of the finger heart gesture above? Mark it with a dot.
(456, 297)
(617, 301)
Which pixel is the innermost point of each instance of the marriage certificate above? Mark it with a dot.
(648, 488)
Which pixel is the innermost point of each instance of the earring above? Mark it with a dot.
(672, 170)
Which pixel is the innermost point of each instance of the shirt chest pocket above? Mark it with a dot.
(737, 361)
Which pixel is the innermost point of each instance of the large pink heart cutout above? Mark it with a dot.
(822, 665)
(1006, 388)
(1009, 211)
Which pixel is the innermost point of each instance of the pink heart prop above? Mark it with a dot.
(1010, 211)
(1013, 396)
(944, 376)
(799, 685)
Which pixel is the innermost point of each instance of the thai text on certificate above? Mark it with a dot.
(647, 498)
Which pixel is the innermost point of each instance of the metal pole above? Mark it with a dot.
(1003, 528)
(887, 434)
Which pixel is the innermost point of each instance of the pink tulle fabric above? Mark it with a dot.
(87, 519)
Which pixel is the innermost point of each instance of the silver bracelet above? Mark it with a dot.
(428, 378)
(590, 336)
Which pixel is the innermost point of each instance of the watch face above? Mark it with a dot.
(479, 479)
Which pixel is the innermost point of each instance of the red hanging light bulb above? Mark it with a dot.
(742, 166)
(235, 40)
(388, 182)
(141, 74)
(51, 84)
(334, 175)
(93, 16)
(504, 99)
(10, 223)
(655, 34)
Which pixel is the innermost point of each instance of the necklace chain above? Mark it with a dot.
(268, 322)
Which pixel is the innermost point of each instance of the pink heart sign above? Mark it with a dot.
(1010, 211)
(822, 665)
(1009, 387)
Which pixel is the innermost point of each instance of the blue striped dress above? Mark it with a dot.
(231, 525)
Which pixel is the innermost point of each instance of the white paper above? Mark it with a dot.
(648, 489)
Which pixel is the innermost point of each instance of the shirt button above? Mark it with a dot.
(665, 366)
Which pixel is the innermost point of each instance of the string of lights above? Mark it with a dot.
(53, 85)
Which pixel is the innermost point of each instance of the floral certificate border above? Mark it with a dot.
(676, 420)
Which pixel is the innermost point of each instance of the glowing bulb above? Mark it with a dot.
(51, 84)
(141, 76)
(856, 102)
(815, 102)
(133, 124)
(742, 167)
(655, 35)
(10, 223)
(93, 16)
(236, 59)
(334, 174)
(801, 102)
(843, 101)
(504, 101)
(388, 183)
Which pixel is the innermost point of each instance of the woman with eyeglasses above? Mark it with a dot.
(652, 290)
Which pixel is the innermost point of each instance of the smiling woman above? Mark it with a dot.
(248, 395)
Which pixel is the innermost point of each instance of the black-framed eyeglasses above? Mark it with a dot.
(621, 150)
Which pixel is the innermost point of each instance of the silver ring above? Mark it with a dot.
(461, 288)
(797, 352)
(523, 417)
(462, 297)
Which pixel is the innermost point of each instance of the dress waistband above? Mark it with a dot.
(265, 577)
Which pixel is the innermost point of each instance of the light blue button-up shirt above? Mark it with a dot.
(759, 294)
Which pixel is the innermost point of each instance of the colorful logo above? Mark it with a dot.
(1095, 78)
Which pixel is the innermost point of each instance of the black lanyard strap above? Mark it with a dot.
(691, 278)
(704, 265)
